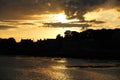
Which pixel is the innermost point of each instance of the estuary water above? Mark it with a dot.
(45, 68)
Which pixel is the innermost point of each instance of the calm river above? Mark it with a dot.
(44, 68)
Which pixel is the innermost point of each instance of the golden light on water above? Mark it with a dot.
(55, 70)
(59, 60)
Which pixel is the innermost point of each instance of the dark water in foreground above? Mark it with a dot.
(43, 68)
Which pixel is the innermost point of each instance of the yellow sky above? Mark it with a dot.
(33, 28)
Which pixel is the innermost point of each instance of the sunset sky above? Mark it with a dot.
(39, 19)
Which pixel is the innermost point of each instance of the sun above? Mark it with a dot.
(54, 18)
(60, 18)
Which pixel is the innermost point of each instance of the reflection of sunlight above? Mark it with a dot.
(59, 67)
(59, 60)
(55, 74)
(54, 71)
(100, 74)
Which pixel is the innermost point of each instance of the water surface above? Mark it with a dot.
(44, 68)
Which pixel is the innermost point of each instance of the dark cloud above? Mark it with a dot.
(118, 17)
(9, 21)
(84, 24)
(17, 22)
(94, 21)
(118, 9)
(4, 27)
(16, 9)
(27, 24)
(66, 25)
(77, 8)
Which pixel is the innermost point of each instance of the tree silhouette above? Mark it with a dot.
(68, 33)
(59, 37)
(102, 43)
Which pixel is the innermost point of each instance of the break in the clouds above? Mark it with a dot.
(16, 9)
(4, 27)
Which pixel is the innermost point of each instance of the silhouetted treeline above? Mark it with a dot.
(96, 44)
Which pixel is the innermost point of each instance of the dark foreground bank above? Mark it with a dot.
(93, 44)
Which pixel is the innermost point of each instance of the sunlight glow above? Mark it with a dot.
(50, 17)
(61, 18)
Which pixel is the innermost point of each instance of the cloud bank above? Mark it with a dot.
(16, 9)
(4, 27)
(73, 8)
(66, 25)
(77, 8)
